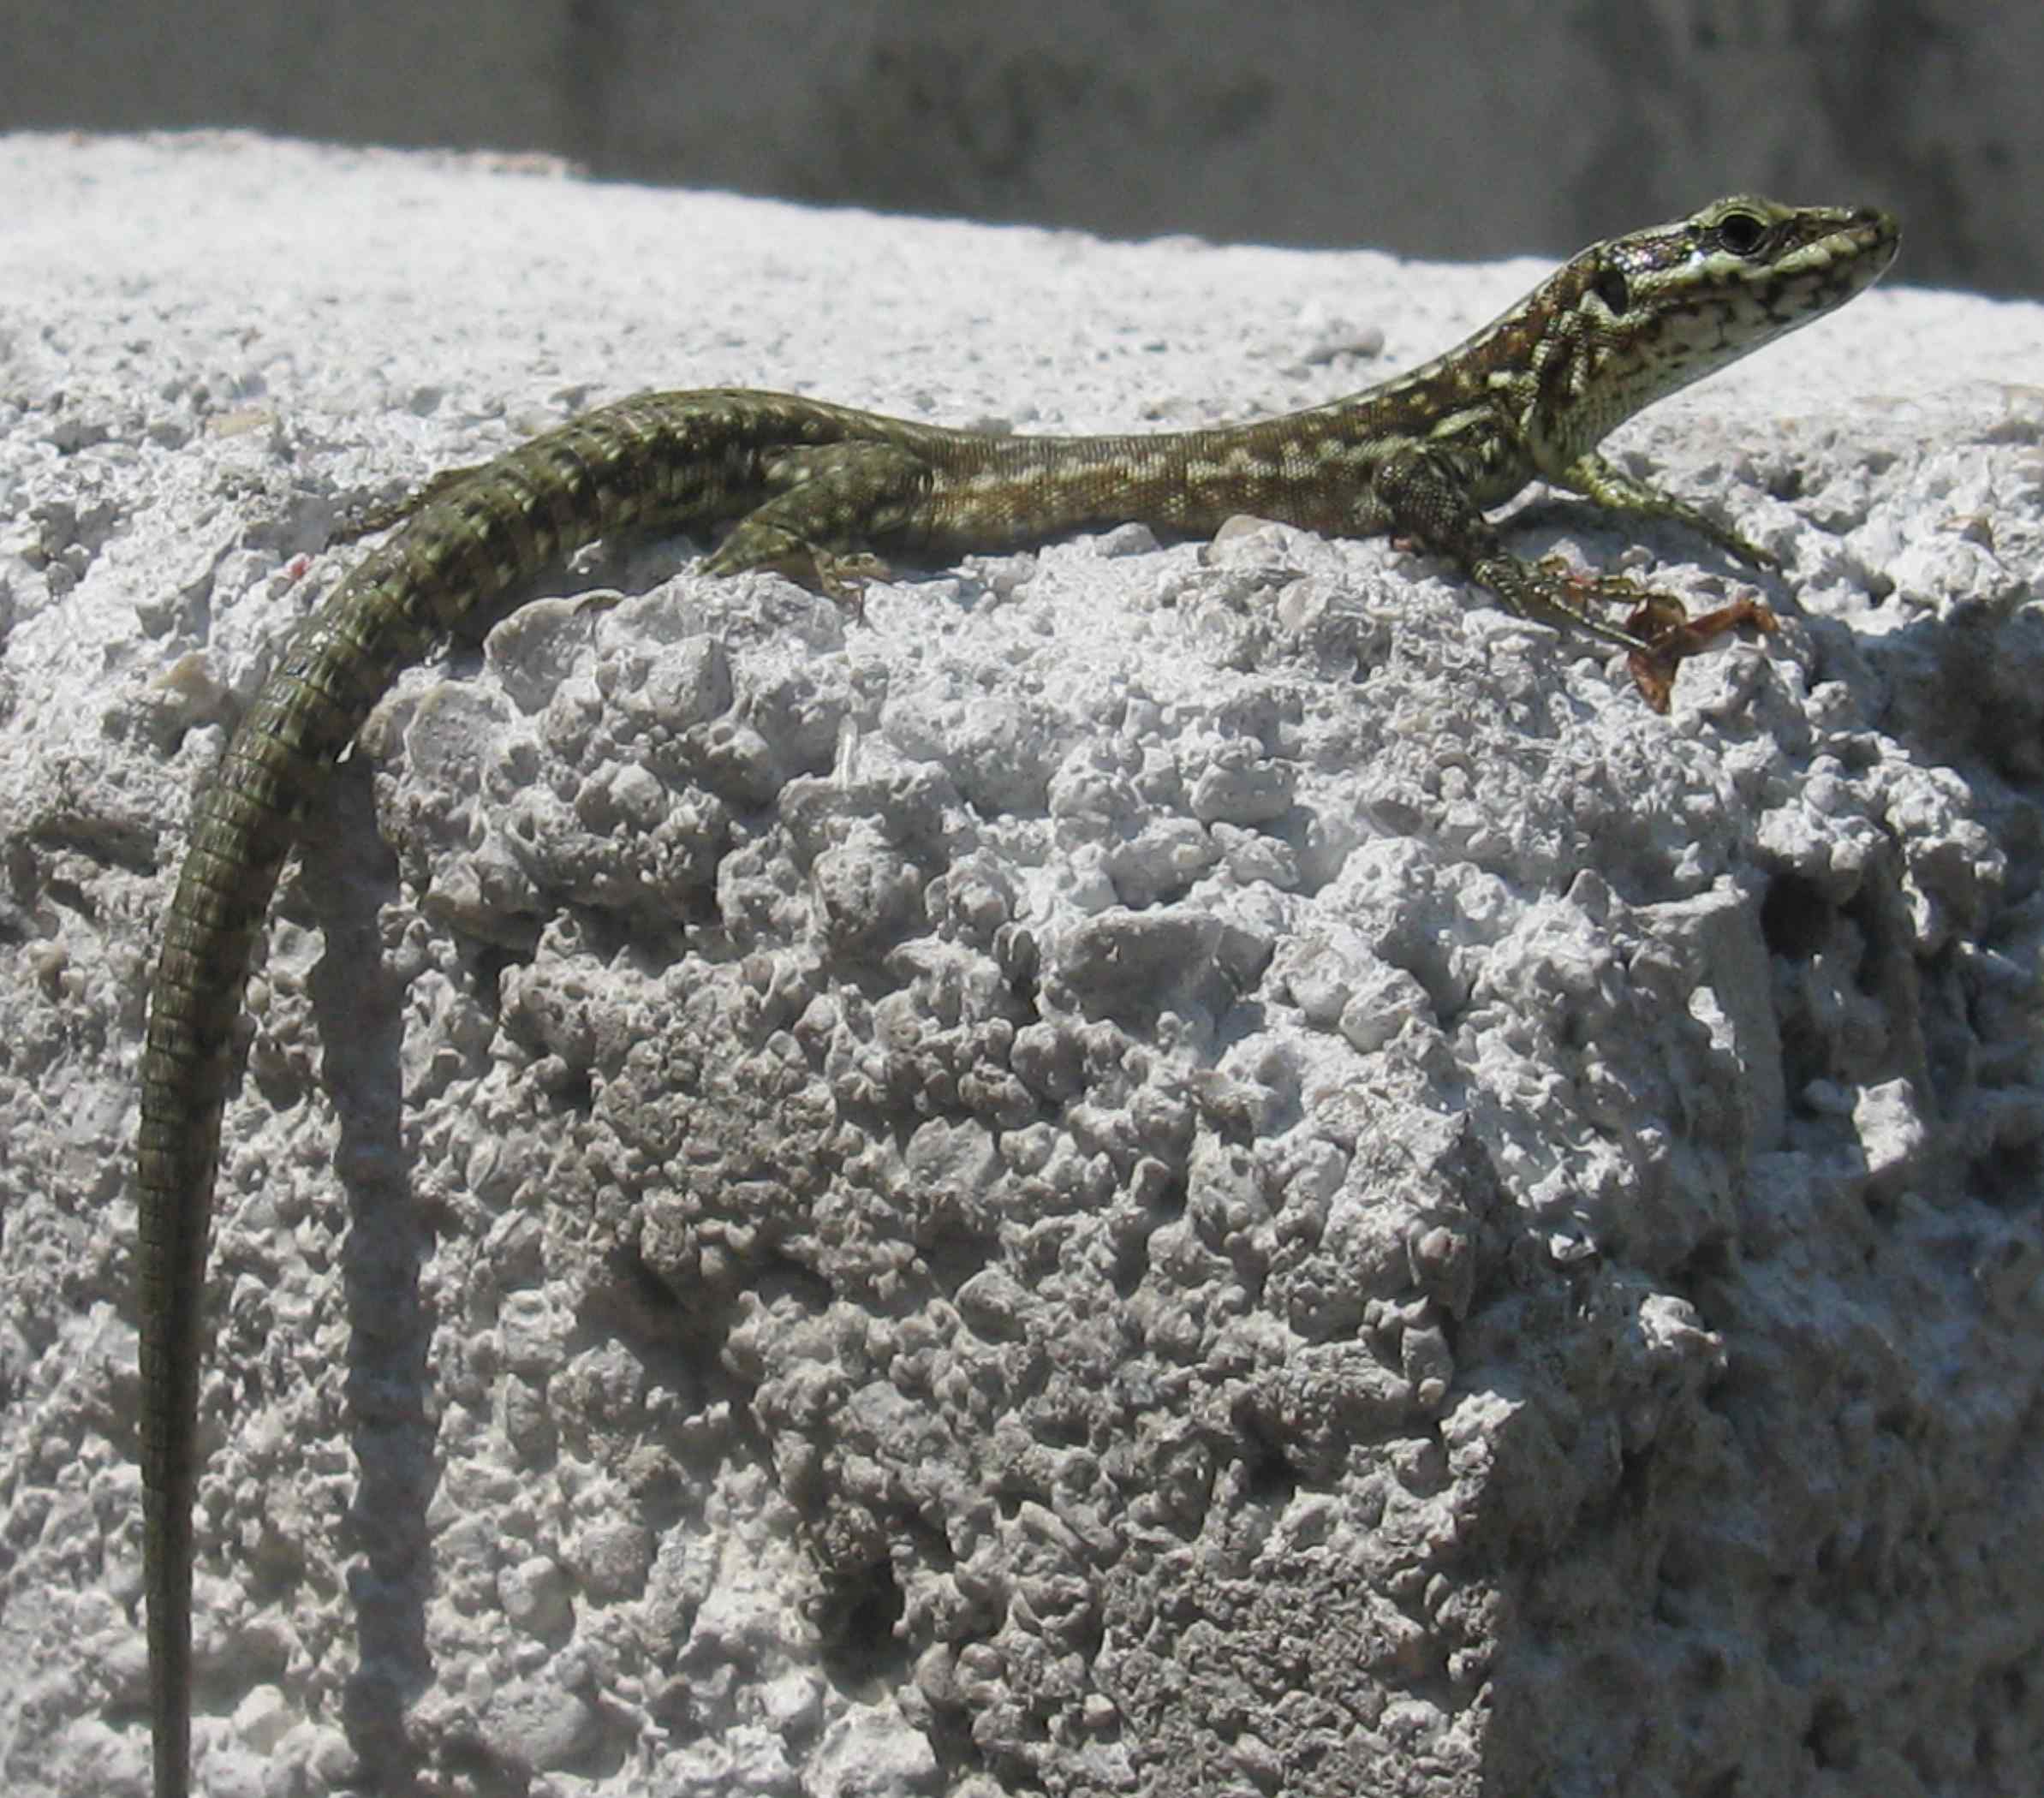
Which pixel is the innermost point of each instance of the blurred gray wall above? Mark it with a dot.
(1425, 126)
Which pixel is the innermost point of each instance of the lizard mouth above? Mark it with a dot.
(1864, 244)
(1842, 256)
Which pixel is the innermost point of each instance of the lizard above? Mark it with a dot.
(819, 491)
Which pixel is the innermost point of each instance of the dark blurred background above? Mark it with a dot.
(1429, 127)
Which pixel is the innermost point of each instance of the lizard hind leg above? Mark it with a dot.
(759, 544)
(361, 520)
(835, 500)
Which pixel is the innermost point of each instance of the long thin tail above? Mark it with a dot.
(475, 534)
(242, 828)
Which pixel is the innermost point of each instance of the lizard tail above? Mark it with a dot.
(242, 828)
(469, 537)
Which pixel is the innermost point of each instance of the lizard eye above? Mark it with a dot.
(1740, 233)
(1611, 286)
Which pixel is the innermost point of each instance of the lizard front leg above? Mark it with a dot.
(1595, 479)
(1426, 499)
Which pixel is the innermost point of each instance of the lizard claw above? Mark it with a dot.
(844, 579)
(1743, 548)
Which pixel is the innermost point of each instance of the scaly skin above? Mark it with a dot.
(817, 490)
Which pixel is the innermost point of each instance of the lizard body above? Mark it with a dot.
(818, 491)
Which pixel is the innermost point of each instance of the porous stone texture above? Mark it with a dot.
(1202, 1168)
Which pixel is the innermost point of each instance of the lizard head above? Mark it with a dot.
(1741, 271)
(1638, 317)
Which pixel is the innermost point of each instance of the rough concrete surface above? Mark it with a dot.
(1162, 1169)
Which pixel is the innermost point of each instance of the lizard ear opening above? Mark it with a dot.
(1611, 288)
